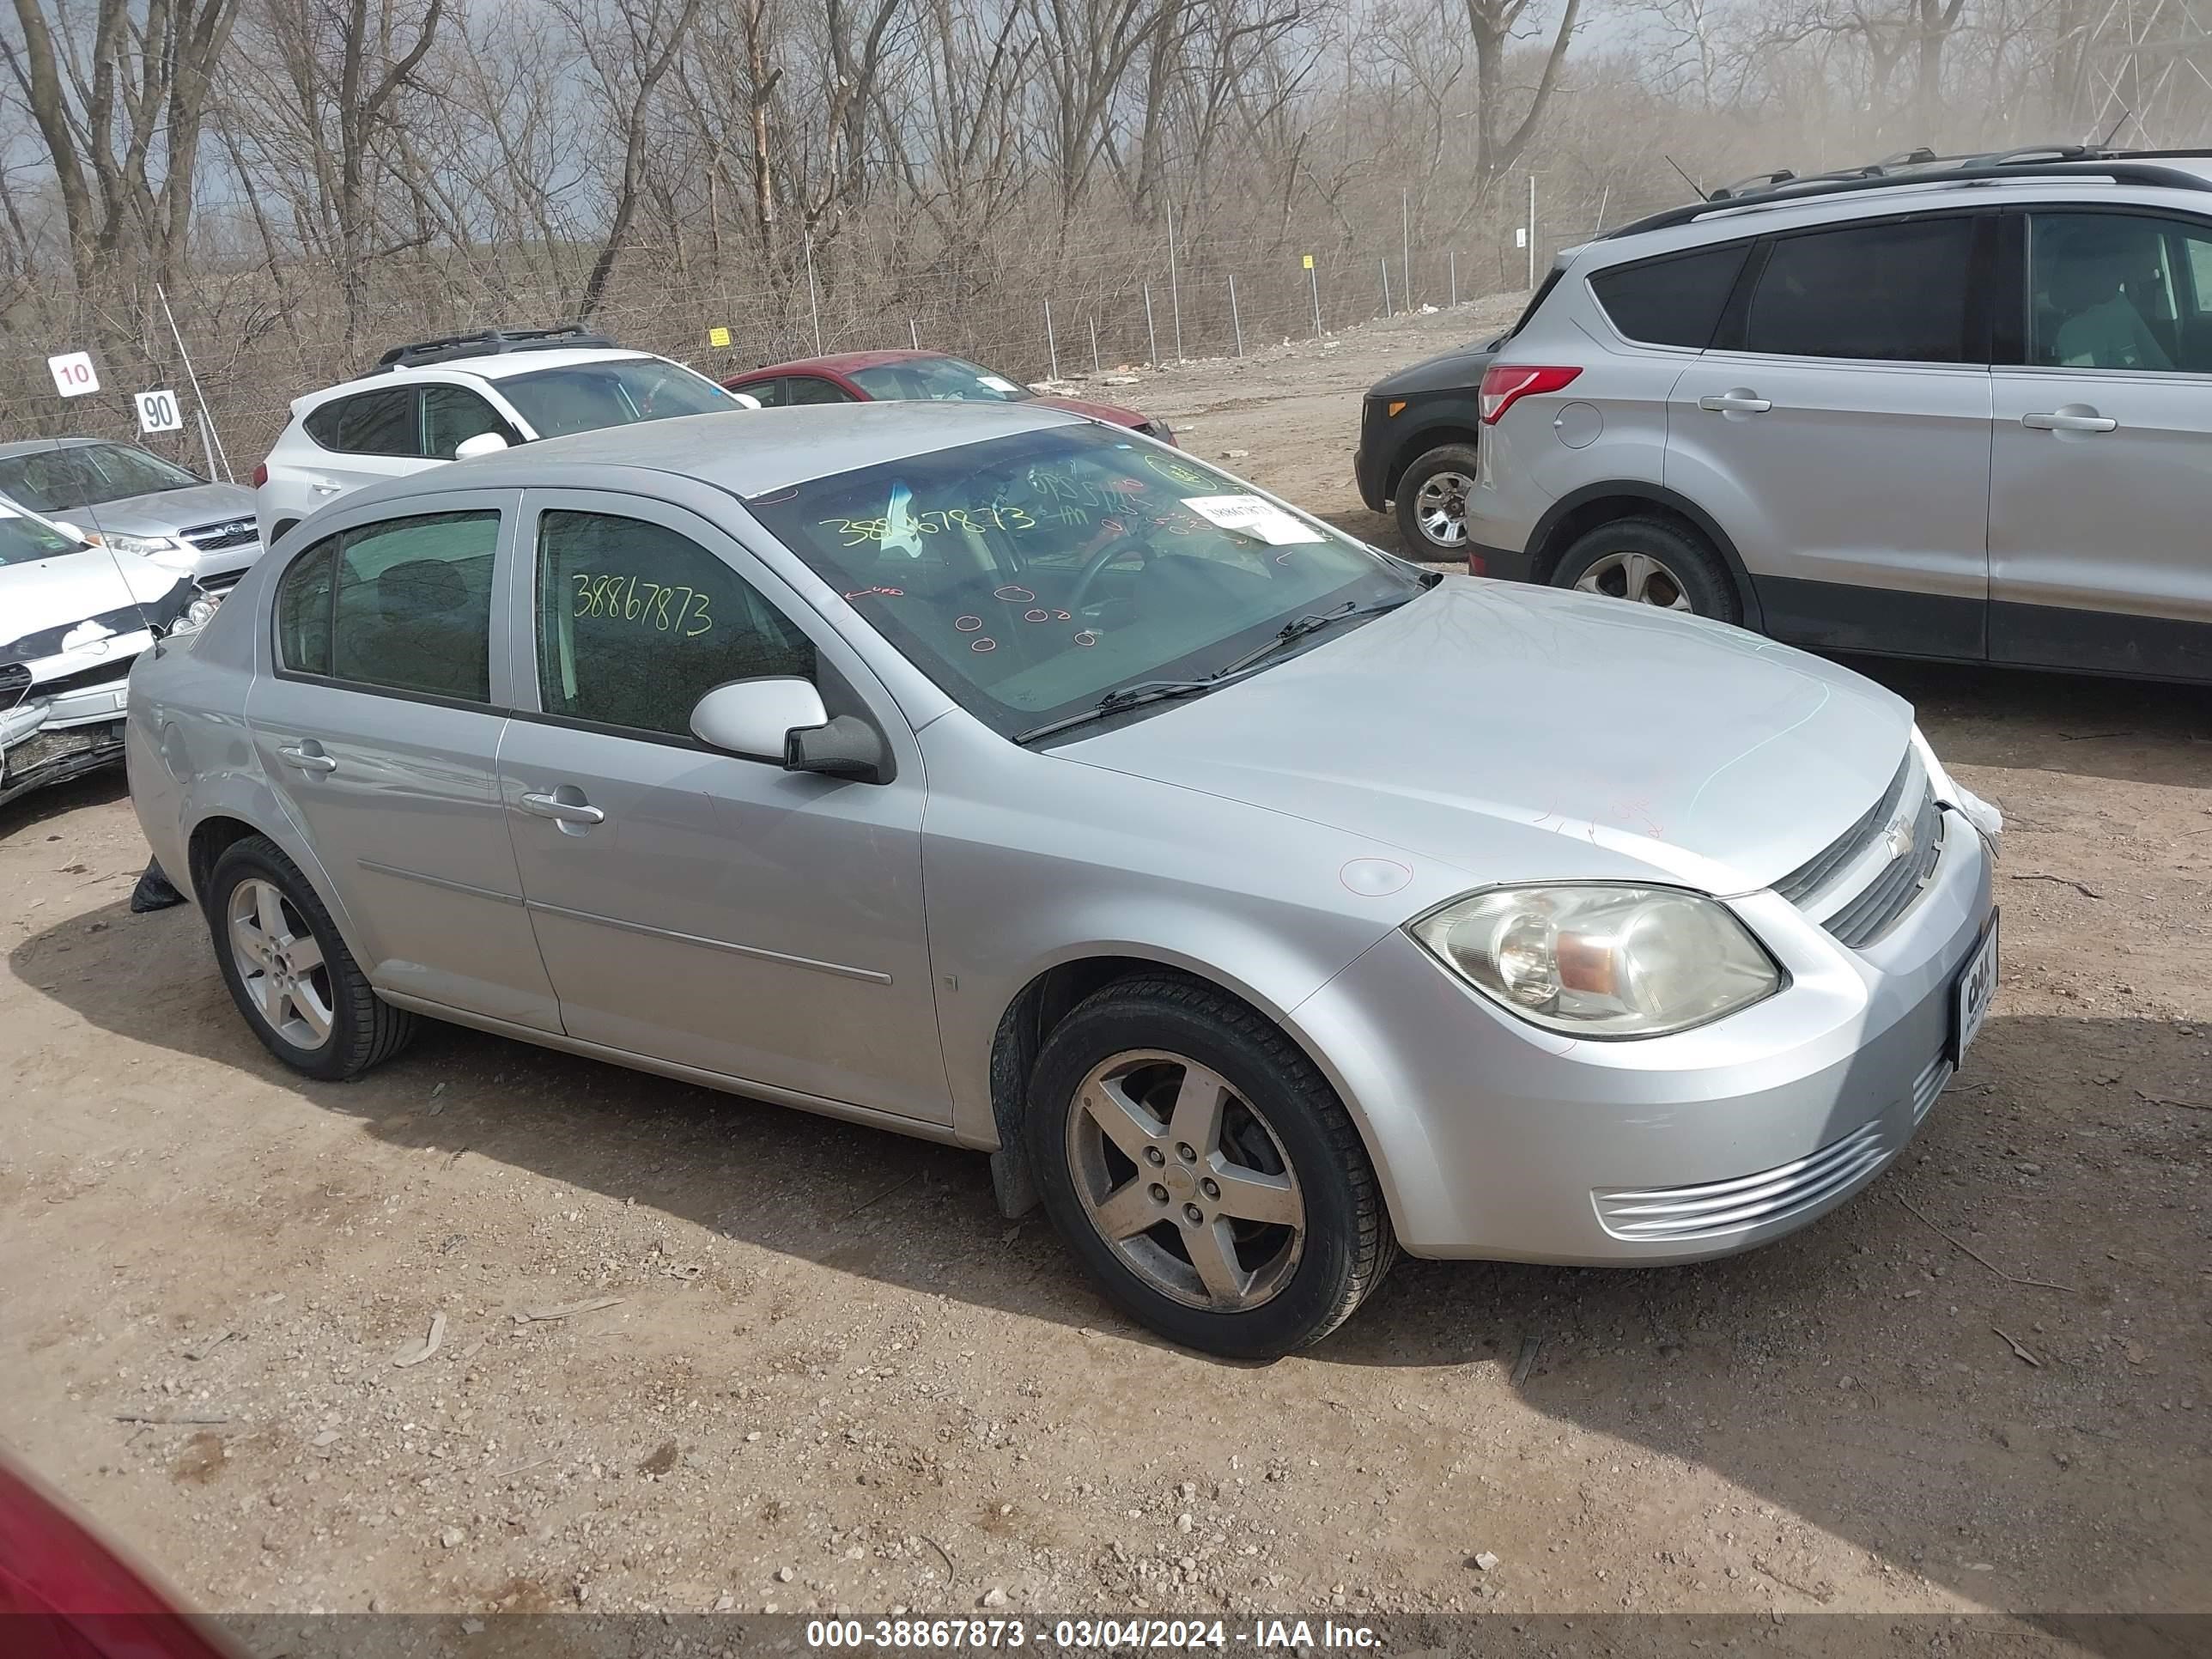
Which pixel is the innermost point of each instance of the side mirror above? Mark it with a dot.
(847, 747)
(484, 443)
(68, 529)
(745, 399)
(757, 718)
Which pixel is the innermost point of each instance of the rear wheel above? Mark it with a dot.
(1431, 501)
(1204, 1170)
(290, 974)
(1649, 561)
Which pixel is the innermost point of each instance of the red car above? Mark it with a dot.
(860, 377)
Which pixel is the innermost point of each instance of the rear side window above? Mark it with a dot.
(413, 606)
(813, 389)
(1676, 302)
(303, 611)
(369, 423)
(1894, 292)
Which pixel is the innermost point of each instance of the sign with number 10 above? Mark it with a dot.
(73, 374)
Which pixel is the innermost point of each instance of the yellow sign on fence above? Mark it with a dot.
(718, 338)
(1308, 262)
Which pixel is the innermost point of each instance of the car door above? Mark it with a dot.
(363, 439)
(2102, 468)
(692, 906)
(379, 728)
(1839, 431)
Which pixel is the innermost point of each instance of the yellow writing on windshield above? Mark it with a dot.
(857, 532)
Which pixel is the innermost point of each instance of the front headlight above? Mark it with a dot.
(195, 616)
(1602, 961)
(160, 549)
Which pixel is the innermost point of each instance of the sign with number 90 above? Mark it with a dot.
(158, 412)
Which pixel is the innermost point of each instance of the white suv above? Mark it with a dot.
(443, 400)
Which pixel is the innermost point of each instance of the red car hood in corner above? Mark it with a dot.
(1113, 412)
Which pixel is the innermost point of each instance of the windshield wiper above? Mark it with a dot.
(1144, 692)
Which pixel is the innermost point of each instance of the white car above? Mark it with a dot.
(74, 619)
(471, 394)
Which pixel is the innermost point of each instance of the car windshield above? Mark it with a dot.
(585, 397)
(66, 477)
(1031, 576)
(25, 541)
(938, 379)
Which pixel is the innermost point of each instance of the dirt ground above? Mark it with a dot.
(825, 1374)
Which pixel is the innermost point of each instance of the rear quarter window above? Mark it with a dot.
(1676, 300)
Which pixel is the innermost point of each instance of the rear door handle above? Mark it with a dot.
(561, 810)
(306, 756)
(1736, 402)
(2070, 420)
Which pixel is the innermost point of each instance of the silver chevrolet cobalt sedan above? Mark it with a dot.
(1260, 903)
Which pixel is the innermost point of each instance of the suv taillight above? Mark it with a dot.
(260, 474)
(1504, 385)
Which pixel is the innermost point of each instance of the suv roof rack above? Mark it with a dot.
(490, 342)
(1924, 166)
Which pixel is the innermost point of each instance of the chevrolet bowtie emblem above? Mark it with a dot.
(1899, 837)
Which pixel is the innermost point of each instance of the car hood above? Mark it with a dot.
(167, 512)
(1522, 733)
(51, 607)
(1448, 371)
(1112, 414)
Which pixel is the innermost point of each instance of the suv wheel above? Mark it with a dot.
(1649, 561)
(289, 972)
(1432, 501)
(1204, 1170)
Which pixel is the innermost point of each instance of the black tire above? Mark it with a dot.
(364, 1030)
(1347, 1245)
(1458, 460)
(1690, 566)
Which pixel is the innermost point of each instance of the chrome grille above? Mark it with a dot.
(214, 538)
(1751, 1200)
(1891, 894)
(1808, 878)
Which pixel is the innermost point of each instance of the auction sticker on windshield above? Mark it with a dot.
(1250, 516)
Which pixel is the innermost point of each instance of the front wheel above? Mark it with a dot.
(290, 973)
(1649, 561)
(1205, 1171)
(1432, 500)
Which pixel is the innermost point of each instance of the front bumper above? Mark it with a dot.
(1495, 1139)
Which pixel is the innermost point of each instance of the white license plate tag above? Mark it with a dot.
(1974, 991)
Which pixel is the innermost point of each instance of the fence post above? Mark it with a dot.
(813, 298)
(199, 396)
(1313, 276)
(1406, 245)
(1051, 344)
(913, 334)
(1386, 288)
(1152, 335)
(1532, 230)
(1095, 367)
(1452, 260)
(1175, 286)
(1235, 321)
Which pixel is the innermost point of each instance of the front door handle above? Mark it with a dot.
(2074, 417)
(565, 805)
(324, 486)
(308, 757)
(1737, 400)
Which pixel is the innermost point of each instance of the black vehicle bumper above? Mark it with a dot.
(1369, 464)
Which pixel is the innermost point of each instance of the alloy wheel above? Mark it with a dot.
(1636, 577)
(1440, 507)
(1185, 1179)
(279, 963)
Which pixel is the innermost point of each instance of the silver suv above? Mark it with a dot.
(1939, 408)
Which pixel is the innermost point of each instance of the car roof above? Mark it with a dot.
(844, 362)
(747, 452)
(493, 366)
(46, 445)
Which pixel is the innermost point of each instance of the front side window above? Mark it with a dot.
(2120, 291)
(1674, 301)
(941, 379)
(585, 397)
(636, 623)
(767, 393)
(451, 415)
(1894, 293)
(412, 610)
(1028, 575)
(64, 479)
(303, 611)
